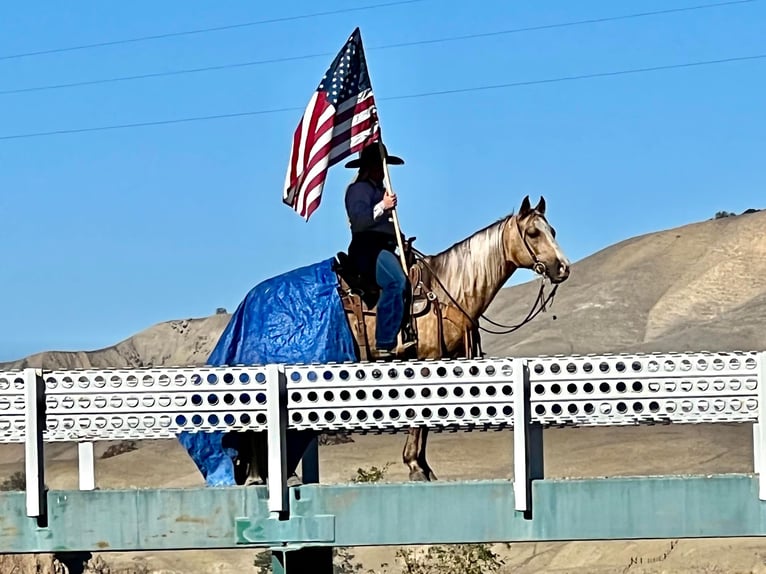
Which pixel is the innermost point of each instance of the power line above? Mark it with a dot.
(571, 24)
(205, 30)
(580, 77)
(402, 97)
(381, 47)
(153, 123)
(161, 74)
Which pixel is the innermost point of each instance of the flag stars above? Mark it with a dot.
(348, 76)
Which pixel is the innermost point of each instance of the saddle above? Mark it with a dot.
(360, 295)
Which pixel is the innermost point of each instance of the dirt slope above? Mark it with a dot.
(697, 287)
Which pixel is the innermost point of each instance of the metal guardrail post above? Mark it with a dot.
(87, 465)
(528, 461)
(276, 403)
(34, 388)
(310, 462)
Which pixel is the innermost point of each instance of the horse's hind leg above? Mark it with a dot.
(414, 455)
(250, 464)
(422, 455)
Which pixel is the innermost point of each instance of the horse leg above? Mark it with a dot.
(410, 455)
(250, 464)
(414, 455)
(421, 457)
(259, 469)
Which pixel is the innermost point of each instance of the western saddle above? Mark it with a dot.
(360, 295)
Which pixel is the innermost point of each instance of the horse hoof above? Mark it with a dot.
(431, 475)
(418, 476)
(294, 480)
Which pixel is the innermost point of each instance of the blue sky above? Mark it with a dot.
(103, 234)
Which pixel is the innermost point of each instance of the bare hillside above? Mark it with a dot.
(173, 343)
(677, 290)
(699, 287)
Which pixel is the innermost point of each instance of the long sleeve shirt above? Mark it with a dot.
(364, 206)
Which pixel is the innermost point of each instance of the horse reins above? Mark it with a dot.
(538, 267)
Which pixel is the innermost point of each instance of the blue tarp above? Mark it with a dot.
(296, 317)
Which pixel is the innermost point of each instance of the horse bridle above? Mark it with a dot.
(538, 267)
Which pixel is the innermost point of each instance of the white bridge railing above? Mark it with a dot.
(523, 394)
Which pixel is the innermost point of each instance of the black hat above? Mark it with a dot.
(371, 154)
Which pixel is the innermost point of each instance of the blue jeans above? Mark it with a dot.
(392, 281)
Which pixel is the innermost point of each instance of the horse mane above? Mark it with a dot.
(494, 226)
(472, 261)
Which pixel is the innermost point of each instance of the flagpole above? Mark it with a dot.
(389, 189)
(397, 230)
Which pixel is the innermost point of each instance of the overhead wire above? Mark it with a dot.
(204, 30)
(446, 39)
(432, 93)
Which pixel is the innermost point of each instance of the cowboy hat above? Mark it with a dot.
(371, 154)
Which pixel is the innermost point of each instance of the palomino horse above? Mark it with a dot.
(463, 281)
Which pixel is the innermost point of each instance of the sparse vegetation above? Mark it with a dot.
(120, 448)
(221, 311)
(451, 559)
(336, 437)
(17, 481)
(374, 474)
(722, 214)
(342, 558)
(262, 562)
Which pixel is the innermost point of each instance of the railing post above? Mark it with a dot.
(759, 428)
(276, 415)
(528, 460)
(310, 462)
(87, 465)
(317, 560)
(34, 388)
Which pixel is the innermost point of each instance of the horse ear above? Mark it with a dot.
(526, 206)
(541, 205)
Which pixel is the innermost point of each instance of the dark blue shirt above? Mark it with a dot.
(361, 199)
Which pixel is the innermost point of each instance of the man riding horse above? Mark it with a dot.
(373, 246)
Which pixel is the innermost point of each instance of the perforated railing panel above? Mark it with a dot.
(631, 389)
(377, 396)
(12, 404)
(153, 403)
(589, 390)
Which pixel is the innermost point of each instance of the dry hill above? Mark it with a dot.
(697, 287)
(700, 287)
(675, 290)
(173, 343)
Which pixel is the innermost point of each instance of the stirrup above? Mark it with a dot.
(389, 354)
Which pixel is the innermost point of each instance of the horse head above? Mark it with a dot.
(529, 242)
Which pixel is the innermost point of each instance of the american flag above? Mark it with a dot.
(340, 120)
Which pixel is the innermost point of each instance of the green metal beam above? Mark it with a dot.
(386, 514)
(104, 520)
(586, 509)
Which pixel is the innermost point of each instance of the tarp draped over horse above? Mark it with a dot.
(295, 317)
